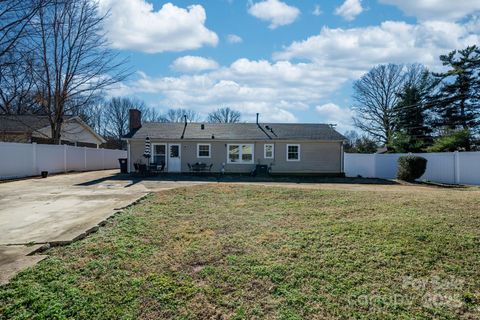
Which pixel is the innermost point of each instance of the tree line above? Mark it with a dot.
(407, 108)
(111, 118)
(54, 58)
(55, 61)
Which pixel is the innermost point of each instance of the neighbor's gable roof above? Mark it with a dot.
(38, 124)
(22, 123)
(237, 131)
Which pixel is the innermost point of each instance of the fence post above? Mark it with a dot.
(85, 157)
(65, 158)
(375, 165)
(103, 158)
(34, 158)
(456, 167)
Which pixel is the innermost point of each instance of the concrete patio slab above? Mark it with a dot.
(14, 259)
(61, 209)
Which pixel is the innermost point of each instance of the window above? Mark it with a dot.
(159, 154)
(293, 152)
(240, 153)
(203, 150)
(174, 151)
(268, 151)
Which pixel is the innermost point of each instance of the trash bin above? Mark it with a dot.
(123, 165)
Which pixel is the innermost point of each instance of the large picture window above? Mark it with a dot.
(293, 152)
(203, 150)
(240, 153)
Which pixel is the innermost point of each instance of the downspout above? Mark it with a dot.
(128, 156)
(342, 158)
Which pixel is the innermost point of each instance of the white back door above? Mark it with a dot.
(174, 157)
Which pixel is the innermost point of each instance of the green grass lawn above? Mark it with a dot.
(252, 252)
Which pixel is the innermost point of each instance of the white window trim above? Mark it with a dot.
(299, 152)
(265, 151)
(152, 152)
(209, 150)
(240, 153)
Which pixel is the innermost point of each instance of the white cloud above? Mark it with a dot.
(281, 89)
(349, 9)
(233, 38)
(274, 11)
(306, 73)
(135, 25)
(358, 49)
(317, 10)
(436, 9)
(193, 64)
(333, 114)
(277, 90)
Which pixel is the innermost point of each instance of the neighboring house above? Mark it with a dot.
(34, 128)
(238, 147)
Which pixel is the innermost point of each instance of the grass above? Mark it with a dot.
(251, 252)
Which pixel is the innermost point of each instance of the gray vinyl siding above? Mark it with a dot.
(315, 156)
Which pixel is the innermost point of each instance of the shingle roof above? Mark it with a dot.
(22, 123)
(237, 131)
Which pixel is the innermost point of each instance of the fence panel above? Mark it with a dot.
(440, 167)
(111, 157)
(24, 159)
(16, 159)
(445, 167)
(75, 159)
(469, 167)
(386, 165)
(50, 158)
(357, 164)
(94, 159)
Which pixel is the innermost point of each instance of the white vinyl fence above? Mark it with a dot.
(30, 159)
(445, 167)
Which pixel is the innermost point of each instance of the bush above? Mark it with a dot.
(411, 168)
(452, 141)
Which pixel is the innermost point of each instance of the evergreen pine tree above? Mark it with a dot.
(457, 99)
(412, 134)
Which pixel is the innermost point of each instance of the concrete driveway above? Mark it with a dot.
(61, 209)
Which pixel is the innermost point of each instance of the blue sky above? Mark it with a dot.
(292, 61)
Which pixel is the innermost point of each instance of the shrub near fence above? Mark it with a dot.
(444, 167)
(24, 159)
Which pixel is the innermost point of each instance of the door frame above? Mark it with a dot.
(152, 152)
(179, 156)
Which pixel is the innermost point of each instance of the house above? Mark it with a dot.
(302, 149)
(35, 128)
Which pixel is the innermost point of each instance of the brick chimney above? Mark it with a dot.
(135, 119)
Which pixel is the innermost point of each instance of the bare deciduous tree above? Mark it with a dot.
(177, 115)
(224, 115)
(116, 115)
(375, 96)
(74, 63)
(15, 18)
(16, 86)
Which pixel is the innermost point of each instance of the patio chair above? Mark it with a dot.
(156, 168)
(142, 169)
